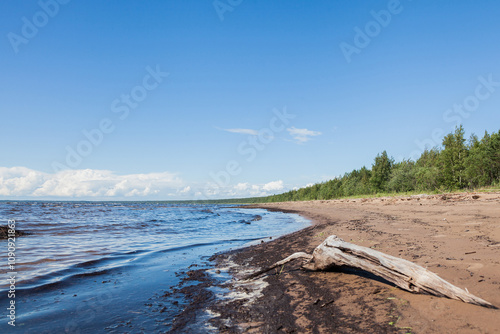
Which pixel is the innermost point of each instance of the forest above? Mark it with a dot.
(458, 164)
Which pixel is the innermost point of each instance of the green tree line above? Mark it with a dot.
(458, 164)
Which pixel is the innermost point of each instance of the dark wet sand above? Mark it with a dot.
(456, 236)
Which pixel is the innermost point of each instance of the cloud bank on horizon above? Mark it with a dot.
(26, 183)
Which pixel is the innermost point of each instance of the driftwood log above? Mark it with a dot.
(334, 252)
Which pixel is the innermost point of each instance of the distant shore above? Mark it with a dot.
(456, 236)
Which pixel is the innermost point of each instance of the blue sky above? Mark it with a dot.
(179, 99)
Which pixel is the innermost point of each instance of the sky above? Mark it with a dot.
(171, 100)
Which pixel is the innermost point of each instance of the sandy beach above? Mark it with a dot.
(457, 236)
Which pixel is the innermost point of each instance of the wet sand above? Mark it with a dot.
(456, 236)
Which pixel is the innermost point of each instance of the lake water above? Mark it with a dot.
(102, 267)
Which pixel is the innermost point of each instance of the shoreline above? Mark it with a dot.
(457, 236)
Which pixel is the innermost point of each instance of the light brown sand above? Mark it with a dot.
(456, 236)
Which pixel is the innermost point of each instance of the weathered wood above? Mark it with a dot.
(409, 276)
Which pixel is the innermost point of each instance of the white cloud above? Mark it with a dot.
(255, 191)
(212, 190)
(19, 180)
(186, 190)
(243, 131)
(25, 182)
(302, 135)
(241, 186)
(273, 186)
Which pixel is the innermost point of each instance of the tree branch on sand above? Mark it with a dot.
(407, 275)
